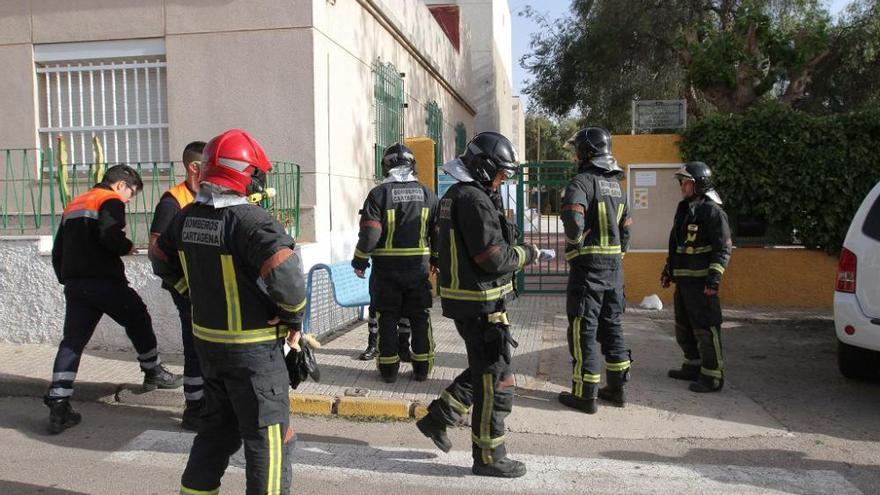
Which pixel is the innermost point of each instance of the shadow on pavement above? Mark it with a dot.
(16, 488)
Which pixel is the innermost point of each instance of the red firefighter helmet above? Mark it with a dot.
(233, 159)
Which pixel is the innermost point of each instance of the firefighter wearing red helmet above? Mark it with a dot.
(248, 294)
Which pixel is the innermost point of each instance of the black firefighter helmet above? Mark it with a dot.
(592, 145)
(486, 154)
(398, 155)
(701, 174)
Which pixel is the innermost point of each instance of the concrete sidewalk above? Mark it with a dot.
(658, 407)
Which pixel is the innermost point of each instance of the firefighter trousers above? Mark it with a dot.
(396, 294)
(192, 372)
(698, 329)
(487, 385)
(246, 401)
(595, 305)
(86, 301)
(403, 329)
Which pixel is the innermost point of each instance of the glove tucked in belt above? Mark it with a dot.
(498, 337)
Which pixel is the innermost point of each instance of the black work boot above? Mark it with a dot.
(160, 377)
(388, 372)
(192, 415)
(420, 371)
(436, 431)
(584, 405)
(613, 391)
(371, 351)
(706, 384)
(688, 372)
(502, 468)
(61, 414)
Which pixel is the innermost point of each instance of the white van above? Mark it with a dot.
(857, 296)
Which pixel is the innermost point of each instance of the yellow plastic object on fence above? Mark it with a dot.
(98, 159)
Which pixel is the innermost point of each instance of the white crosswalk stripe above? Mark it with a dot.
(547, 474)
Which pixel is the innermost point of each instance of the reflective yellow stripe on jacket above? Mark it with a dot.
(419, 251)
(238, 337)
(391, 217)
(476, 295)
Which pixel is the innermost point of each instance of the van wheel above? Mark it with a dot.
(856, 363)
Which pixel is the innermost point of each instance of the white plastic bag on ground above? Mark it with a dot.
(651, 302)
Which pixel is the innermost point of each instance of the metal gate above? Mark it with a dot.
(539, 197)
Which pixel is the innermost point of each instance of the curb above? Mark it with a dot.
(361, 408)
(355, 408)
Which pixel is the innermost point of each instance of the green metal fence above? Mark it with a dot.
(434, 123)
(539, 194)
(461, 139)
(25, 191)
(389, 101)
(35, 192)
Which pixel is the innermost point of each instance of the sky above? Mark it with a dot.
(523, 27)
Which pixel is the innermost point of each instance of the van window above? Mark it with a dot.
(871, 228)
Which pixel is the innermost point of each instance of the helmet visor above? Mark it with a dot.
(682, 174)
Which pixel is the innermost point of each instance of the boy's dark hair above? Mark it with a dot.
(193, 152)
(123, 173)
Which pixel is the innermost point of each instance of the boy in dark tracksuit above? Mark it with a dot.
(87, 258)
(699, 251)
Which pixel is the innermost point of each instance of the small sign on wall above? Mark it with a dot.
(640, 198)
(646, 179)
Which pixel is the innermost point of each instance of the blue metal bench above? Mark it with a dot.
(348, 290)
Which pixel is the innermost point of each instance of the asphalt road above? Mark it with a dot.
(787, 366)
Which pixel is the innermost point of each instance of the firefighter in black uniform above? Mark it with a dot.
(248, 293)
(479, 255)
(87, 258)
(699, 251)
(397, 232)
(171, 202)
(596, 221)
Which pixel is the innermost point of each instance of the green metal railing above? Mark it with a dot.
(389, 100)
(34, 195)
(539, 197)
(286, 179)
(24, 191)
(434, 123)
(461, 139)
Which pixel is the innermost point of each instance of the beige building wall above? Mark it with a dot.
(349, 36)
(490, 45)
(298, 75)
(518, 131)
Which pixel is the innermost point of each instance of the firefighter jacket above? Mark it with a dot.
(397, 226)
(91, 238)
(478, 252)
(595, 216)
(238, 264)
(699, 243)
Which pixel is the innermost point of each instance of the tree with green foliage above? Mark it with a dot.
(719, 55)
(546, 138)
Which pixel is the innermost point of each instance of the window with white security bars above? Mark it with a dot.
(120, 101)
